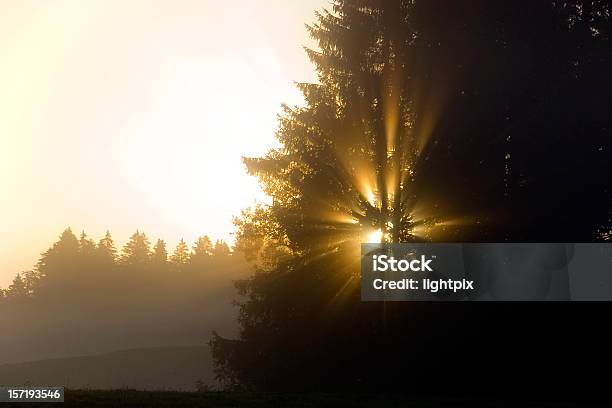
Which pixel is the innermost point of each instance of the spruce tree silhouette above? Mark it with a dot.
(137, 251)
(106, 249)
(431, 121)
(160, 254)
(202, 249)
(18, 288)
(221, 249)
(180, 257)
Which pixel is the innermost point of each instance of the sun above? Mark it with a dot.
(374, 237)
(184, 157)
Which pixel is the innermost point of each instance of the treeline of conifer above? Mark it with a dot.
(73, 262)
(84, 297)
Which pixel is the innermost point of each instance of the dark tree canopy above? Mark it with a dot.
(432, 120)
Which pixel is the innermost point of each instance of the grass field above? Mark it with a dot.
(132, 398)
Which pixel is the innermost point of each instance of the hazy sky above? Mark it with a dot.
(129, 114)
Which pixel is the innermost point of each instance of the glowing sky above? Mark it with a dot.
(129, 114)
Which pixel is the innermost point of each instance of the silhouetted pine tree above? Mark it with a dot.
(18, 288)
(106, 248)
(87, 246)
(491, 115)
(221, 249)
(87, 262)
(160, 254)
(201, 254)
(137, 251)
(180, 257)
(31, 280)
(202, 248)
(59, 266)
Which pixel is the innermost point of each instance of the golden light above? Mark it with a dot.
(185, 156)
(371, 197)
(374, 237)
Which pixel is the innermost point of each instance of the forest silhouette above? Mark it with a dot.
(86, 297)
(480, 121)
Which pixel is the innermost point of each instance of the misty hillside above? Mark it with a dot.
(148, 318)
(170, 368)
(85, 299)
